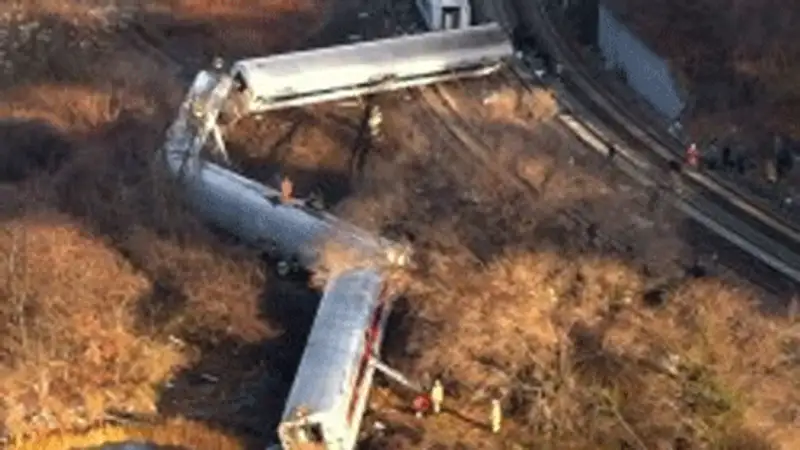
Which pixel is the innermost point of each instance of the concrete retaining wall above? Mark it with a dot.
(645, 72)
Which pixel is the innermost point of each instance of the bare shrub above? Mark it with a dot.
(512, 301)
(111, 284)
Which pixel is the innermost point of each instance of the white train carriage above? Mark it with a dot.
(330, 390)
(334, 73)
(445, 14)
(247, 209)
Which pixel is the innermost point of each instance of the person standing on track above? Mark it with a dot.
(287, 188)
(693, 156)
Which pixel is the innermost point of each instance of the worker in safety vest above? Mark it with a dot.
(286, 190)
(692, 155)
(421, 405)
(437, 396)
(496, 416)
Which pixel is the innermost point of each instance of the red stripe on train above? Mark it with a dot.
(370, 342)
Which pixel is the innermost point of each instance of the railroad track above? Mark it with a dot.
(634, 126)
(748, 225)
(622, 98)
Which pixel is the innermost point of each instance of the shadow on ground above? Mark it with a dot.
(242, 386)
(30, 147)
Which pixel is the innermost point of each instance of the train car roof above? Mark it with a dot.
(335, 342)
(253, 213)
(342, 66)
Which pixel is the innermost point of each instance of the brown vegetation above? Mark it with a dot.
(110, 288)
(172, 434)
(587, 345)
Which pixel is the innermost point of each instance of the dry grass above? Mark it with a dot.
(512, 301)
(72, 299)
(110, 287)
(178, 433)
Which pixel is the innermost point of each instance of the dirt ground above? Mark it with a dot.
(546, 280)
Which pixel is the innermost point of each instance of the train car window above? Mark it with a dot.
(239, 83)
(309, 434)
(451, 17)
(315, 433)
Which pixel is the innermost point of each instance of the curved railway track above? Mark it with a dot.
(621, 99)
(626, 121)
(737, 218)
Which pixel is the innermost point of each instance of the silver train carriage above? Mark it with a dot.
(334, 73)
(330, 390)
(445, 14)
(247, 209)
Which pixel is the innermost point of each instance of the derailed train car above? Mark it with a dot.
(334, 73)
(329, 394)
(249, 210)
(332, 383)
